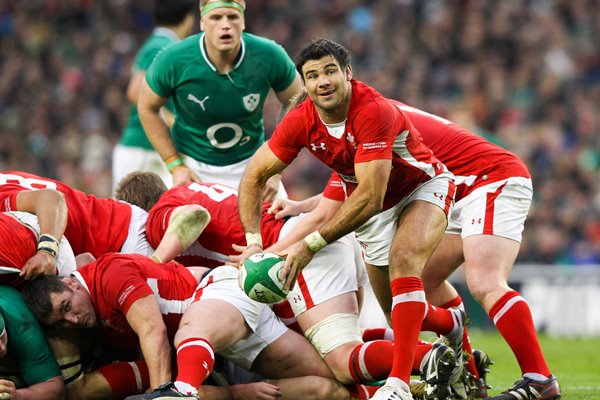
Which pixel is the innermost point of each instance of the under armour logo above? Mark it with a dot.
(439, 196)
(319, 147)
(297, 299)
(475, 221)
(205, 365)
(193, 98)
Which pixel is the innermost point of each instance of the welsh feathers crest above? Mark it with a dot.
(251, 101)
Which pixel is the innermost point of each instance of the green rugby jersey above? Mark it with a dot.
(133, 133)
(220, 116)
(29, 359)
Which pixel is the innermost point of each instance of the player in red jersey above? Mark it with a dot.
(399, 193)
(324, 301)
(132, 300)
(95, 225)
(493, 196)
(33, 246)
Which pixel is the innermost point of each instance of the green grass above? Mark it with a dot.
(575, 362)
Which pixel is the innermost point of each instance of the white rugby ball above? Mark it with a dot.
(259, 278)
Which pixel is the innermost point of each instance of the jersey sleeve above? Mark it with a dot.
(334, 189)
(284, 142)
(376, 135)
(28, 343)
(8, 201)
(160, 76)
(283, 70)
(123, 285)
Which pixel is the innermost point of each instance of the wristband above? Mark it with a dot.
(174, 164)
(254, 239)
(48, 244)
(315, 241)
(156, 259)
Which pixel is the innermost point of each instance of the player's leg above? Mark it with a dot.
(206, 327)
(489, 260)
(420, 228)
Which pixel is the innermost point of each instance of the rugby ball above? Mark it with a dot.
(259, 278)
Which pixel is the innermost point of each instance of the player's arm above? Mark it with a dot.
(362, 204)
(133, 92)
(323, 210)
(146, 320)
(50, 208)
(149, 106)
(261, 167)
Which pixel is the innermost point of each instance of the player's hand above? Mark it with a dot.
(298, 257)
(40, 264)
(271, 188)
(183, 176)
(7, 390)
(284, 208)
(255, 391)
(237, 260)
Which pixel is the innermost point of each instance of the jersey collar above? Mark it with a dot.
(166, 32)
(210, 64)
(80, 279)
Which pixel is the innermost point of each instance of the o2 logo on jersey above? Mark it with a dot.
(238, 135)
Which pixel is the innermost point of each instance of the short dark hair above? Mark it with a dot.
(142, 189)
(37, 295)
(319, 48)
(172, 12)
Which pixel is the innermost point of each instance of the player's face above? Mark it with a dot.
(72, 308)
(328, 85)
(223, 29)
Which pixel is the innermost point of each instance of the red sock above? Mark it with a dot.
(438, 320)
(512, 317)
(467, 348)
(361, 392)
(408, 310)
(421, 350)
(126, 378)
(371, 361)
(195, 361)
(371, 334)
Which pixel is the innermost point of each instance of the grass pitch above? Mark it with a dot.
(575, 362)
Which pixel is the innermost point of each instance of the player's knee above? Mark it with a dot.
(189, 223)
(332, 334)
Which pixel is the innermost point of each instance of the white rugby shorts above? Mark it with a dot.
(127, 159)
(499, 209)
(336, 269)
(376, 235)
(222, 284)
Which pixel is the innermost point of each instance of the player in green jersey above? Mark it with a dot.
(174, 21)
(28, 369)
(218, 81)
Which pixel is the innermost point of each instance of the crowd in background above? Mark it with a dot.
(523, 73)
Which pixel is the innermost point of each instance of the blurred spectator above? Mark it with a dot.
(524, 74)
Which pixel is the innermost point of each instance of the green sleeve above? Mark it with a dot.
(26, 340)
(161, 75)
(283, 71)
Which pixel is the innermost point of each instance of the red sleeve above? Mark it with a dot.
(284, 143)
(334, 189)
(8, 201)
(123, 286)
(378, 125)
(156, 226)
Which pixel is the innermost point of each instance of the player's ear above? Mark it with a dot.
(348, 73)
